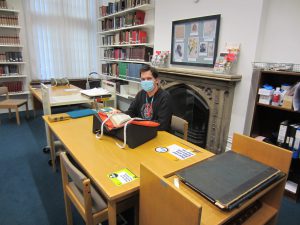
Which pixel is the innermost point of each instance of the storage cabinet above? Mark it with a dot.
(125, 43)
(267, 119)
(11, 52)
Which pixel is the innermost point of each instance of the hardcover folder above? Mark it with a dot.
(229, 179)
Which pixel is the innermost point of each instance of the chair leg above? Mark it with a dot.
(27, 111)
(9, 113)
(17, 116)
(68, 210)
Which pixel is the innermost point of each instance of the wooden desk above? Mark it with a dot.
(61, 95)
(98, 158)
(171, 198)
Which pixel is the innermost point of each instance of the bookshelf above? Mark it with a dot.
(12, 64)
(266, 119)
(125, 43)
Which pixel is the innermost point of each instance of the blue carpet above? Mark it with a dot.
(31, 193)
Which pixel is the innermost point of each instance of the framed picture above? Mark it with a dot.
(195, 41)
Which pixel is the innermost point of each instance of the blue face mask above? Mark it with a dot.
(147, 85)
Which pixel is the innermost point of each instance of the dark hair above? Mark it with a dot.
(146, 68)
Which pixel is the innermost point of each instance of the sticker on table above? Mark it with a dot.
(122, 177)
(161, 149)
(179, 152)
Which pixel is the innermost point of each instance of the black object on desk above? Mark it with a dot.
(229, 179)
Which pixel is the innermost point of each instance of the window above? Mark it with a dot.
(61, 37)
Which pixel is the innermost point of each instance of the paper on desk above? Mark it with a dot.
(122, 177)
(95, 92)
(179, 152)
(71, 89)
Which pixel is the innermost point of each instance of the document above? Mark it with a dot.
(96, 92)
(122, 177)
(180, 152)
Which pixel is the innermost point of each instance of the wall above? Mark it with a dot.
(242, 26)
(279, 36)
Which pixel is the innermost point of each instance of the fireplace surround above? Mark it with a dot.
(205, 100)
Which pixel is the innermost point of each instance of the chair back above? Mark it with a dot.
(80, 191)
(46, 99)
(4, 91)
(180, 125)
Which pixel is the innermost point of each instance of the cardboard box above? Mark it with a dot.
(265, 99)
(287, 102)
(263, 91)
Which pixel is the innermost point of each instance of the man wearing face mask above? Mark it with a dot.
(152, 103)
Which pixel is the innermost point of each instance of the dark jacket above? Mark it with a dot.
(161, 108)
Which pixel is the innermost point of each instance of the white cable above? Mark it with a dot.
(102, 127)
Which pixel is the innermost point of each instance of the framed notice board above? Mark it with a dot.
(195, 41)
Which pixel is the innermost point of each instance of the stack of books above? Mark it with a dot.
(11, 57)
(9, 20)
(6, 70)
(9, 40)
(115, 6)
(13, 86)
(142, 53)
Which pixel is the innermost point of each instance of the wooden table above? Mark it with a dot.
(61, 95)
(98, 158)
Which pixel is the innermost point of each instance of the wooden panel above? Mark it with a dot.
(161, 203)
(263, 152)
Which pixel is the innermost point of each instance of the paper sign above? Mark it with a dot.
(122, 177)
(180, 152)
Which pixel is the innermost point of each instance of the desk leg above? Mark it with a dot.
(112, 213)
(50, 141)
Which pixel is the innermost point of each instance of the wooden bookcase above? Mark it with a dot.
(131, 6)
(12, 71)
(267, 118)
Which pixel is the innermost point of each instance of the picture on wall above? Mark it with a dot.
(195, 41)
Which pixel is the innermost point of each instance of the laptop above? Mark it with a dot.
(229, 179)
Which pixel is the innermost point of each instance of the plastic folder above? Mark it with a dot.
(229, 179)
(81, 113)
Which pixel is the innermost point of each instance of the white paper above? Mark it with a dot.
(291, 186)
(95, 92)
(124, 177)
(180, 152)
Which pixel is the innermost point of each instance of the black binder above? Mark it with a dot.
(229, 179)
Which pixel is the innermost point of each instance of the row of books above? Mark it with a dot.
(130, 71)
(289, 137)
(9, 40)
(3, 4)
(13, 86)
(11, 57)
(126, 37)
(115, 6)
(130, 19)
(6, 70)
(9, 20)
(135, 53)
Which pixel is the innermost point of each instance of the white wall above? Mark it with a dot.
(280, 33)
(240, 22)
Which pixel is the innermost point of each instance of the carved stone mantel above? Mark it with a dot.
(216, 89)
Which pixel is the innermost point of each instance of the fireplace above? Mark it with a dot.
(189, 105)
(203, 99)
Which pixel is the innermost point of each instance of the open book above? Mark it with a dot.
(119, 119)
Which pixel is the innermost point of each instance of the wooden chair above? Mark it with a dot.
(180, 125)
(89, 203)
(12, 104)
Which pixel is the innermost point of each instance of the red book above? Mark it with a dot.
(139, 17)
(142, 37)
(133, 36)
